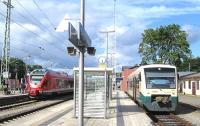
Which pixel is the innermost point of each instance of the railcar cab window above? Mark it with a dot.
(160, 78)
(36, 79)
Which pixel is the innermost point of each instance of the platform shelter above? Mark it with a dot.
(97, 91)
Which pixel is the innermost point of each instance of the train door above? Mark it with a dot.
(138, 79)
(193, 88)
(134, 89)
(46, 83)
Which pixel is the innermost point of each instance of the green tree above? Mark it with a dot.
(33, 67)
(167, 45)
(192, 64)
(17, 67)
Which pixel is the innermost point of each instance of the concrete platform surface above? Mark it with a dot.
(122, 112)
(190, 99)
(16, 93)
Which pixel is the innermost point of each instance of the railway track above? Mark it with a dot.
(9, 106)
(168, 120)
(16, 110)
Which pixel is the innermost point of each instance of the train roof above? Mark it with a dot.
(39, 71)
(157, 65)
(150, 66)
(51, 72)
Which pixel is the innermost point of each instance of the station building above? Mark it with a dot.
(189, 83)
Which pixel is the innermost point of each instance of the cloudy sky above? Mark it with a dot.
(33, 24)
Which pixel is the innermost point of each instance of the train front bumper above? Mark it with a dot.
(152, 105)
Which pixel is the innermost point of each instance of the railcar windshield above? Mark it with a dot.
(36, 79)
(160, 78)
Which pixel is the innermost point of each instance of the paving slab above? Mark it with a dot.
(122, 112)
(190, 99)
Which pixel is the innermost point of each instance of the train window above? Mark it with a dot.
(71, 84)
(36, 79)
(60, 83)
(66, 83)
(160, 77)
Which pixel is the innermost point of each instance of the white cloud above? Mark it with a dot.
(158, 11)
(193, 32)
(169, 2)
(132, 17)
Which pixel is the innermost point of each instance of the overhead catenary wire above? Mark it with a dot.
(44, 14)
(37, 35)
(34, 45)
(15, 43)
(24, 50)
(35, 20)
(43, 29)
(32, 32)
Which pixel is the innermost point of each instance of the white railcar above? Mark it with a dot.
(154, 87)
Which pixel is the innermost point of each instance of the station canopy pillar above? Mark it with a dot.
(97, 86)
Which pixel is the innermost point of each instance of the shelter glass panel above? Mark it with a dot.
(96, 93)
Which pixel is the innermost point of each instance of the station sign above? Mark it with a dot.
(83, 37)
(79, 38)
(73, 35)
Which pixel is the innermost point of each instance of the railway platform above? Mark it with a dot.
(12, 98)
(190, 100)
(16, 93)
(122, 112)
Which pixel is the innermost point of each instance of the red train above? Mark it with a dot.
(43, 82)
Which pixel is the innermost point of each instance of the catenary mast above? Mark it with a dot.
(6, 46)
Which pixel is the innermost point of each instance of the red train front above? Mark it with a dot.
(43, 82)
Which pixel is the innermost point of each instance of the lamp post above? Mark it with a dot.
(115, 47)
(107, 32)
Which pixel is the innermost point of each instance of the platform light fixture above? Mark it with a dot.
(71, 51)
(91, 51)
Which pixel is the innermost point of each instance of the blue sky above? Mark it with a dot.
(31, 30)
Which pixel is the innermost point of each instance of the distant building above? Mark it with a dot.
(189, 83)
(126, 71)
